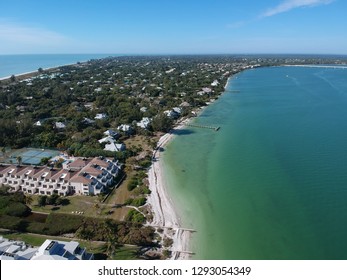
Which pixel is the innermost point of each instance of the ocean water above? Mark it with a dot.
(272, 182)
(18, 64)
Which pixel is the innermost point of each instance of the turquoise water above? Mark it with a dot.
(18, 64)
(272, 183)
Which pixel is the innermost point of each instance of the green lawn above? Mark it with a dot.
(31, 239)
(126, 253)
(77, 203)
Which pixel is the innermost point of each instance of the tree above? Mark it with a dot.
(41, 201)
(110, 230)
(96, 206)
(19, 160)
(44, 160)
(162, 123)
(13, 78)
(28, 200)
(51, 200)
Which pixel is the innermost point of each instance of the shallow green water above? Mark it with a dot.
(272, 183)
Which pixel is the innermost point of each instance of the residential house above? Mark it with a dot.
(125, 128)
(112, 133)
(49, 250)
(114, 147)
(15, 250)
(59, 125)
(100, 116)
(215, 83)
(174, 113)
(144, 123)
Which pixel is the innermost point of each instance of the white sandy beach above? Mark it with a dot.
(36, 73)
(164, 214)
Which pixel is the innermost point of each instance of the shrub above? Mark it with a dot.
(129, 201)
(58, 224)
(142, 190)
(10, 222)
(36, 227)
(132, 184)
(139, 201)
(146, 163)
(51, 200)
(166, 254)
(167, 242)
(135, 216)
(42, 200)
(17, 209)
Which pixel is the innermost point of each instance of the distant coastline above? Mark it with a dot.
(22, 65)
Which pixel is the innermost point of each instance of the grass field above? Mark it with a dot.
(77, 203)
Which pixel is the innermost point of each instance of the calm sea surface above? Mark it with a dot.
(272, 183)
(17, 64)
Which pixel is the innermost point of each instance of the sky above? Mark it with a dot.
(173, 26)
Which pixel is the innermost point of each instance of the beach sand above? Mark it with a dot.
(164, 214)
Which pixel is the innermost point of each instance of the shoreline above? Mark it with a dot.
(35, 72)
(32, 74)
(161, 205)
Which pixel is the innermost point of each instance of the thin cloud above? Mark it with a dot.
(11, 33)
(235, 25)
(293, 4)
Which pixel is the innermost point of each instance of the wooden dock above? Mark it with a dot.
(215, 128)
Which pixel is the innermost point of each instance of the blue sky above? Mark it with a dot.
(173, 26)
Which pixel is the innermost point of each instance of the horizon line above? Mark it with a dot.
(182, 54)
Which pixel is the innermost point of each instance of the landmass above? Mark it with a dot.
(117, 111)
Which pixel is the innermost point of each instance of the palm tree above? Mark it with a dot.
(109, 229)
(96, 206)
(28, 200)
(19, 160)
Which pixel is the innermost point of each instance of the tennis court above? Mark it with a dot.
(31, 155)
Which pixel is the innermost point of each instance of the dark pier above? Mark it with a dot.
(232, 91)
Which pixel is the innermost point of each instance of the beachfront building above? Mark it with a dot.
(49, 250)
(144, 123)
(111, 145)
(81, 176)
(174, 113)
